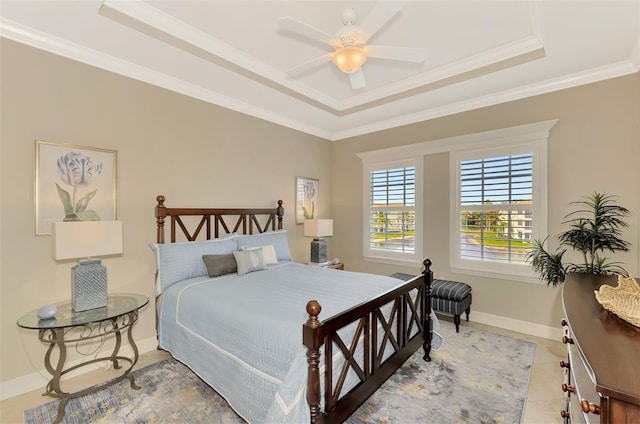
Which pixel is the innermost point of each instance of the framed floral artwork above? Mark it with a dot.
(73, 183)
(306, 199)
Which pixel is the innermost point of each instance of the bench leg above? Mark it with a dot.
(467, 312)
(456, 321)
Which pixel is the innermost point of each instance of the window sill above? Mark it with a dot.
(398, 262)
(531, 279)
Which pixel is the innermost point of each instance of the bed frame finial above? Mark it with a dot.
(161, 213)
(313, 309)
(427, 265)
(280, 213)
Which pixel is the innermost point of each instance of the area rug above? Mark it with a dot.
(475, 377)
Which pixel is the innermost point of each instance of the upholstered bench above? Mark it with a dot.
(451, 297)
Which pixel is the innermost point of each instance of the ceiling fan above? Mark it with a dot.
(350, 46)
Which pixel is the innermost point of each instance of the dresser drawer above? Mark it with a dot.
(583, 383)
(585, 387)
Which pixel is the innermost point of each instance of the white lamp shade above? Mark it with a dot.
(318, 227)
(85, 239)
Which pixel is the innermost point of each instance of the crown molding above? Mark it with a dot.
(486, 139)
(509, 54)
(43, 41)
(554, 84)
(147, 19)
(21, 34)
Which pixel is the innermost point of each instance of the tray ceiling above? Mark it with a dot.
(234, 53)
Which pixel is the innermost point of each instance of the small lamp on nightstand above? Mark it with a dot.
(318, 228)
(87, 239)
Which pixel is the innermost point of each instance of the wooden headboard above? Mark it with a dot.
(213, 221)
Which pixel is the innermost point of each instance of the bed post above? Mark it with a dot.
(280, 213)
(426, 313)
(313, 341)
(161, 212)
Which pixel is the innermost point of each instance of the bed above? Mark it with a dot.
(282, 342)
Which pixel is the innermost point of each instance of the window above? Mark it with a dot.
(393, 213)
(496, 195)
(498, 210)
(497, 200)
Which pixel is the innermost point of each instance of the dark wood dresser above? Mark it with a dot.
(602, 373)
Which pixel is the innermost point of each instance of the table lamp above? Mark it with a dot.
(318, 228)
(84, 240)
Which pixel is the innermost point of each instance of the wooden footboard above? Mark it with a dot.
(410, 310)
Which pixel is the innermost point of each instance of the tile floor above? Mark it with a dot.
(544, 397)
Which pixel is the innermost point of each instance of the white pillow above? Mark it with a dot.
(249, 261)
(268, 253)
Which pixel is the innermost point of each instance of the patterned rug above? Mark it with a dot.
(475, 377)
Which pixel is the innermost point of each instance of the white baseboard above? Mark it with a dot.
(525, 327)
(38, 380)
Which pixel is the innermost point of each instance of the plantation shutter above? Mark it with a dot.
(496, 201)
(393, 209)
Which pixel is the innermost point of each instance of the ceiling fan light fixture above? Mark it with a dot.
(349, 59)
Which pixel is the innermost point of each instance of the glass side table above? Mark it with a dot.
(69, 326)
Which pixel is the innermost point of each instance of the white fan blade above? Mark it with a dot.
(357, 79)
(310, 64)
(301, 28)
(381, 13)
(405, 54)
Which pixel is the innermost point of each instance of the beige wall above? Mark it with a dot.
(594, 146)
(196, 153)
(192, 152)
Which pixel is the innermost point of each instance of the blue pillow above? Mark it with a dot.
(278, 239)
(179, 261)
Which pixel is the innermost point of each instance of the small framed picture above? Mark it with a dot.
(306, 199)
(73, 183)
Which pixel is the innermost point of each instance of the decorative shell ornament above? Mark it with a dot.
(623, 300)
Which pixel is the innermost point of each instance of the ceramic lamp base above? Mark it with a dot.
(88, 285)
(318, 251)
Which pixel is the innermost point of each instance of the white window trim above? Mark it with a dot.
(519, 272)
(394, 257)
(526, 138)
(532, 133)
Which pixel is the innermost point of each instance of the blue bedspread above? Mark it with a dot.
(243, 335)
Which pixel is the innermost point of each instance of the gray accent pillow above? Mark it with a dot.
(249, 261)
(218, 265)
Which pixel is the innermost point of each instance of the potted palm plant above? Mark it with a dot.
(595, 227)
